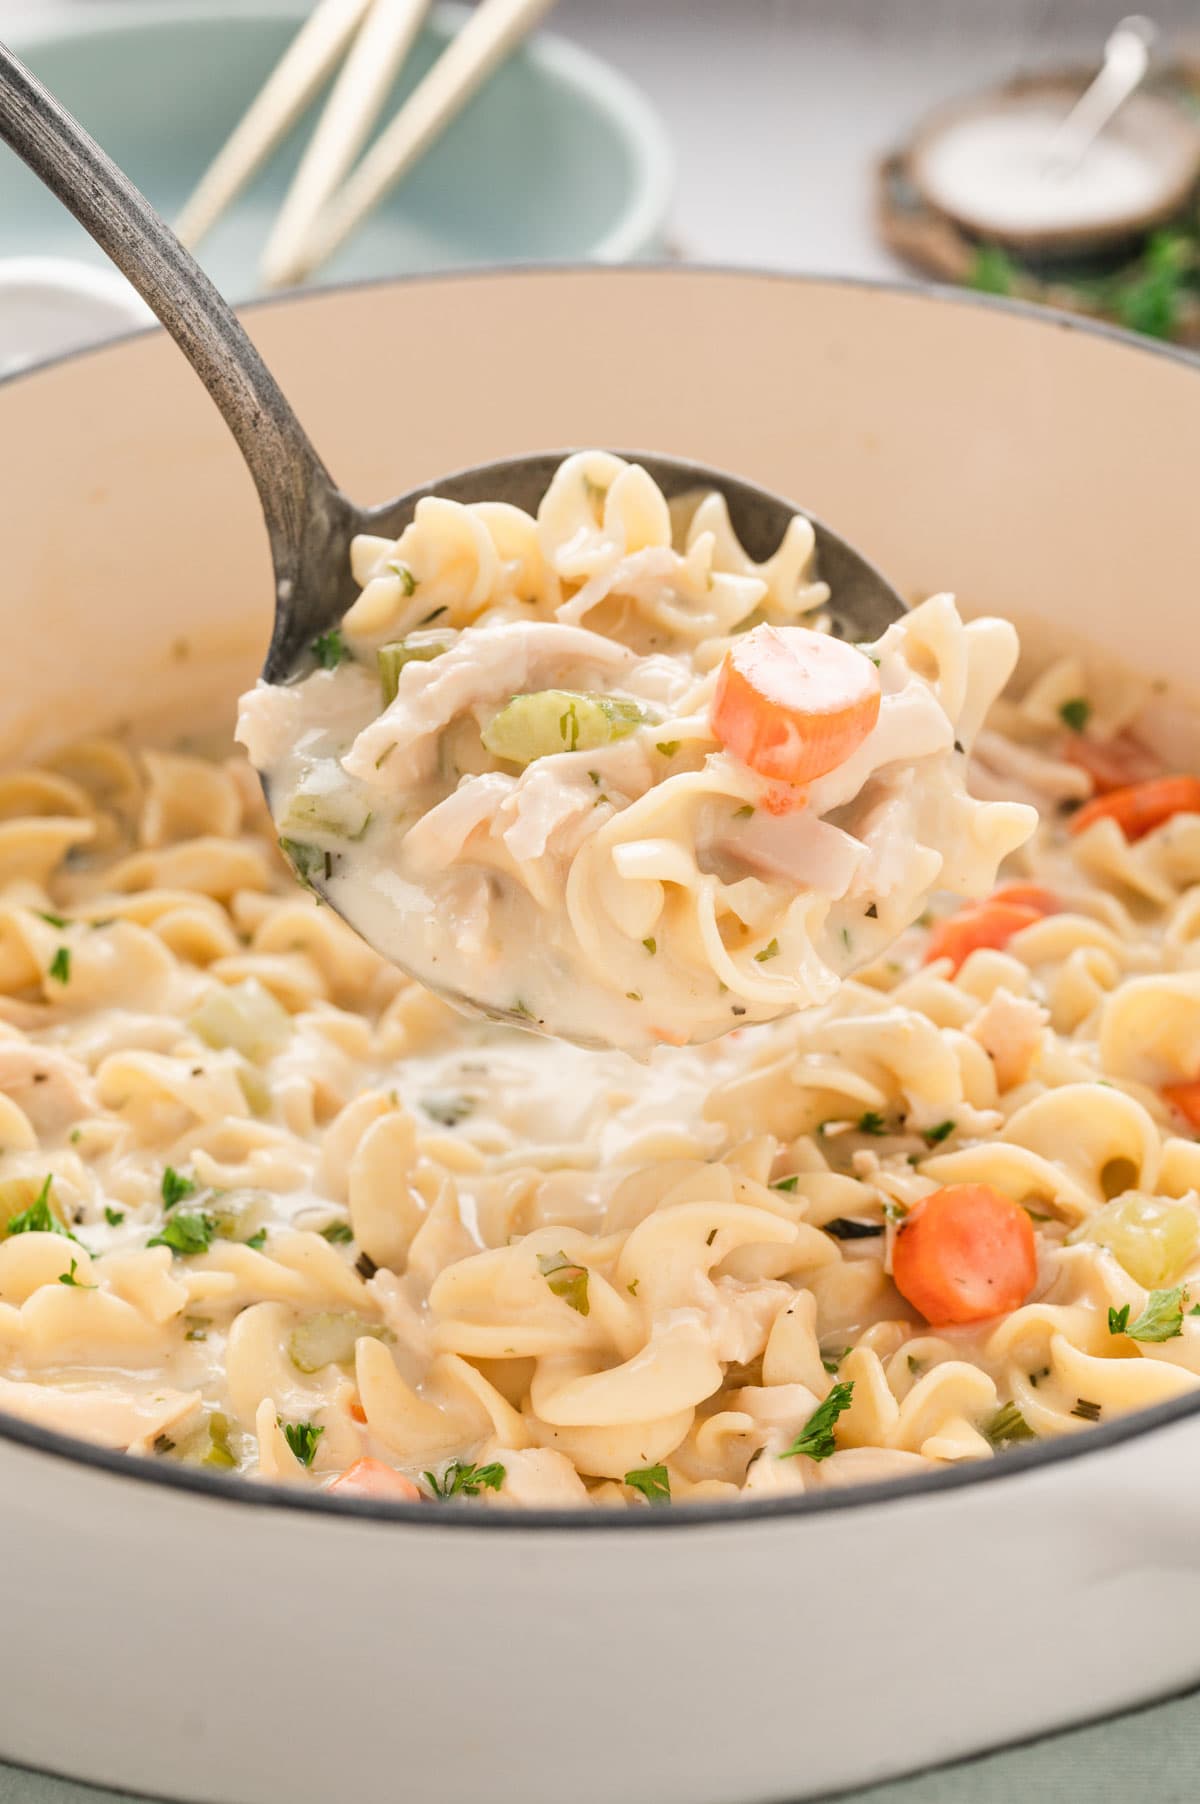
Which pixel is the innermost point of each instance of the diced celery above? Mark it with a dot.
(1154, 1239)
(328, 1339)
(219, 1452)
(559, 720)
(238, 1214)
(246, 1017)
(393, 658)
(255, 1088)
(338, 813)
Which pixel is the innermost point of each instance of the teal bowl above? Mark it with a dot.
(557, 158)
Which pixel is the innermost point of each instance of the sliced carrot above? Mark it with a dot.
(963, 1254)
(1185, 1098)
(1028, 895)
(1111, 763)
(371, 1478)
(1142, 807)
(793, 704)
(357, 1413)
(988, 924)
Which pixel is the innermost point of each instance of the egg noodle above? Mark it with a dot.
(542, 817)
(267, 1206)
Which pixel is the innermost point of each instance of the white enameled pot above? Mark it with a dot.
(198, 1639)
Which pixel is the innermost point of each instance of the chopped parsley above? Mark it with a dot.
(44, 914)
(39, 1218)
(871, 1122)
(304, 859)
(770, 950)
(1086, 1410)
(175, 1187)
(651, 945)
(257, 1240)
(668, 747)
(114, 1217)
(189, 1231)
(744, 812)
(60, 965)
(633, 996)
(815, 1440)
(1161, 1319)
(163, 1443)
(1075, 713)
(935, 1135)
(894, 1211)
(831, 1361)
(70, 1278)
(197, 1327)
(842, 1227)
(408, 581)
(654, 1483)
(463, 1480)
(566, 1280)
(787, 1183)
(338, 1233)
(329, 649)
(1007, 1427)
(302, 1438)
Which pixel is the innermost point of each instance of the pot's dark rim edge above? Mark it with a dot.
(466, 1516)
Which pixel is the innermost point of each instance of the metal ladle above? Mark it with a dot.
(310, 522)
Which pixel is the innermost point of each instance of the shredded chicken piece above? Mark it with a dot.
(1009, 1028)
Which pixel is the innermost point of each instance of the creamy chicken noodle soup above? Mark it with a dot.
(269, 1207)
(598, 779)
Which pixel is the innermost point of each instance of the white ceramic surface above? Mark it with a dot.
(253, 1645)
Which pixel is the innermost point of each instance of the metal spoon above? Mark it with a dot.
(310, 522)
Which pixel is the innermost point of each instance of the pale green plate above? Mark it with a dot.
(558, 158)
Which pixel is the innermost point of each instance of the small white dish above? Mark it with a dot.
(53, 304)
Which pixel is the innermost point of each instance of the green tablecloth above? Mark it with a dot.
(1153, 1755)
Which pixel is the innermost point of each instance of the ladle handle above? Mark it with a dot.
(287, 471)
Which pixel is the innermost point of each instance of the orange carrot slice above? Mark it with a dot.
(371, 1478)
(793, 704)
(1186, 1098)
(989, 924)
(963, 1254)
(1142, 807)
(1028, 895)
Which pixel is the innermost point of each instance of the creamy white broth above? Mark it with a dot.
(320, 1217)
(542, 820)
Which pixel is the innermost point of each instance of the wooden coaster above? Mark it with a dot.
(1153, 286)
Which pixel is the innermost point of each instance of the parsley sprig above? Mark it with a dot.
(461, 1479)
(39, 1218)
(566, 1280)
(815, 1440)
(654, 1483)
(302, 1438)
(1161, 1319)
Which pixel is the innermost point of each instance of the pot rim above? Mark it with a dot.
(463, 1516)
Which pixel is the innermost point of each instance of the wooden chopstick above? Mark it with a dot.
(288, 89)
(493, 30)
(376, 54)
